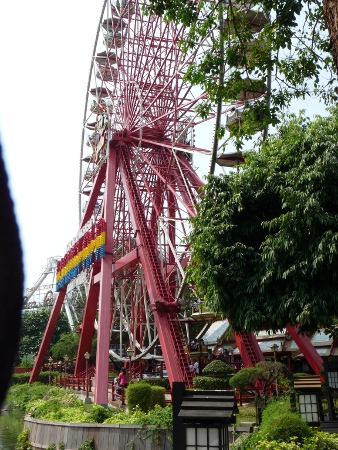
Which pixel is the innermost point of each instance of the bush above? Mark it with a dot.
(23, 378)
(87, 445)
(211, 383)
(218, 368)
(138, 396)
(279, 423)
(157, 396)
(164, 382)
(23, 441)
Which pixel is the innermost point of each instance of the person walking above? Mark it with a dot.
(123, 378)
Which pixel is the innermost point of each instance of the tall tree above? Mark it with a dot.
(286, 54)
(331, 19)
(34, 323)
(265, 239)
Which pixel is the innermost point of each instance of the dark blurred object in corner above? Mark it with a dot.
(11, 283)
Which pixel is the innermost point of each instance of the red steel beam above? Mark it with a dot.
(104, 319)
(87, 330)
(40, 358)
(308, 350)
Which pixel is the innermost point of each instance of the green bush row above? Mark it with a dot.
(318, 441)
(23, 378)
(204, 382)
(144, 397)
(163, 382)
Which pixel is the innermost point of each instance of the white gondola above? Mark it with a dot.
(100, 92)
(253, 92)
(103, 107)
(234, 117)
(111, 38)
(124, 8)
(113, 24)
(104, 58)
(256, 19)
(106, 73)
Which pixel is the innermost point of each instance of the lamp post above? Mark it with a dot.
(50, 360)
(87, 356)
(130, 353)
(274, 348)
(66, 358)
(231, 359)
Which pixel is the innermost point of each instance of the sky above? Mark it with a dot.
(46, 51)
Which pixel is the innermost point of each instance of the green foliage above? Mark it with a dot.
(292, 46)
(61, 446)
(87, 445)
(23, 378)
(158, 417)
(279, 423)
(23, 441)
(264, 241)
(266, 372)
(33, 326)
(67, 345)
(138, 396)
(157, 396)
(164, 382)
(51, 447)
(19, 395)
(218, 368)
(211, 383)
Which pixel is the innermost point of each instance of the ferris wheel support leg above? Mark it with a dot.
(39, 360)
(103, 332)
(308, 350)
(87, 331)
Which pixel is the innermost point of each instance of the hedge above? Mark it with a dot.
(23, 378)
(203, 382)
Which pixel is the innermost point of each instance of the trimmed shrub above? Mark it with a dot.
(23, 378)
(218, 368)
(157, 396)
(286, 427)
(211, 383)
(139, 396)
(164, 382)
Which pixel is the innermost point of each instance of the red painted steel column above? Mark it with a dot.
(47, 335)
(308, 350)
(103, 332)
(88, 321)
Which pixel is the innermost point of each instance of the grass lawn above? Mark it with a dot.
(247, 413)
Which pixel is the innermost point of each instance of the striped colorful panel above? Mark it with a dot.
(80, 257)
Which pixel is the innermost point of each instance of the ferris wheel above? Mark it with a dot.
(140, 121)
(138, 189)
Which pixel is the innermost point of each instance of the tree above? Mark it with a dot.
(330, 8)
(290, 53)
(258, 379)
(66, 345)
(265, 239)
(34, 323)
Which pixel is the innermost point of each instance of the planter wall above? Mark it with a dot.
(106, 437)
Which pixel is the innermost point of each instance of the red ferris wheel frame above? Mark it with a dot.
(141, 183)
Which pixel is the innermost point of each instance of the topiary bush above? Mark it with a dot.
(218, 368)
(286, 427)
(164, 382)
(157, 396)
(139, 396)
(279, 423)
(213, 383)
